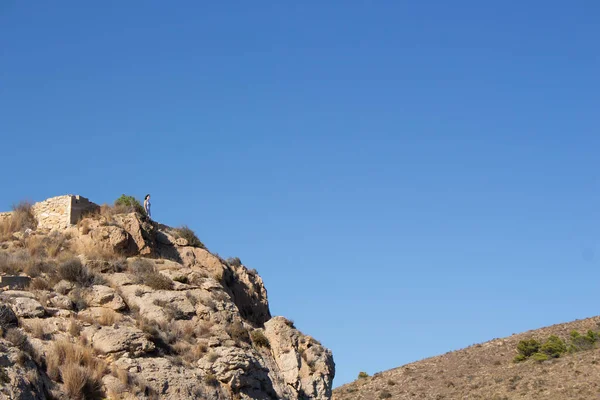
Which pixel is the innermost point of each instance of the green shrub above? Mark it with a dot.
(539, 357)
(579, 342)
(554, 347)
(528, 347)
(363, 375)
(186, 233)
(259, 338)
(519, 358)
(129, 204)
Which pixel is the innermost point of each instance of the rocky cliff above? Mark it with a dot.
(121, 307)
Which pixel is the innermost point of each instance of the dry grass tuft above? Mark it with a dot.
(39, 284)
(36, 327)
(186, 233)
(22, 218)
(259, 338)
(73, 271)
(145, 273)
(238, 332)
(108, 317)
(74, 328)
(78, 368)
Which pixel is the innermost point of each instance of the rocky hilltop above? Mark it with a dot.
(117, 306)
(560, 362)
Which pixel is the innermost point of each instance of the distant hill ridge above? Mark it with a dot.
(489, 371)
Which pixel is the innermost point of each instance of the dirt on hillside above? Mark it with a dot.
(487, 371)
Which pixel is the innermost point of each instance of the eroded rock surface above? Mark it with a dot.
(161, 319)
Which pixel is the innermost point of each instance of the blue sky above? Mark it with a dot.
(408, 178)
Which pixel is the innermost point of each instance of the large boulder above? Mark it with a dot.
(7, 317)
(113, 339)
(241, 370)
(141, 231)
(249, 295)
(171, 381)
(27, 308)
(104, 296)
(110, 237)
(304, 363)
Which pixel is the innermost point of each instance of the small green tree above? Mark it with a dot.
(363, 375)
(553, 347)
(528, 347)
(130, 203)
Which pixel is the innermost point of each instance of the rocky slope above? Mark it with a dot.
(488, 371)
(121, 307)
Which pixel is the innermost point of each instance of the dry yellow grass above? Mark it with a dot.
(108, 317)
(78, 368)
(22, 218)
(36, 327)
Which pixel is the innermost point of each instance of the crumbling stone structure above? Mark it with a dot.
(59, 212)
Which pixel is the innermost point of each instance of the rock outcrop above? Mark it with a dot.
(150, 313)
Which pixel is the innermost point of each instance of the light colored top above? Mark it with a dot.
(147, 207)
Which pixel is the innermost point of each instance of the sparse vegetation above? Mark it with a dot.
(258, 338)
(73, 271)
(238, 332)
(22, 218)
(363, 375)
(78, 368)
(158, 281)
(186, 233)
(234, 261)
(553, 347)
(126, 204)
(145, 273)
(211, 380)
(385, 395)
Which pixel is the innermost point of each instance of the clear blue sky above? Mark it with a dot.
(408, 177)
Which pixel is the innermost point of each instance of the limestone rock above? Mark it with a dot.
(64, 287)
(7, 316)
(19, 379)
(60, 301)
(170, 381)
(27, 308)
(110, 237)
(104, 296)
(249, 295)
(241, 370)
(142, 233)
(109, 339)
(304, 363)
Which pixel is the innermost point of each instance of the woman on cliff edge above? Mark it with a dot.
(147, 205)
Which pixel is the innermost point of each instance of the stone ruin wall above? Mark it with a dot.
(59, 212)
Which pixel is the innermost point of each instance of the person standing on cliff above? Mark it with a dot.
(147, 205)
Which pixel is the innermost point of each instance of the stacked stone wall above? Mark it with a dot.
(59, 212)
(53, 213)
(79, 207)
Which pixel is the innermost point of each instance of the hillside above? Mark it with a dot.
(101, 302)
(488, 371)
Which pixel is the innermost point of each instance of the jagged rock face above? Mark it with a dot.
(304, 363)
(178, 323)
(20, 377)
